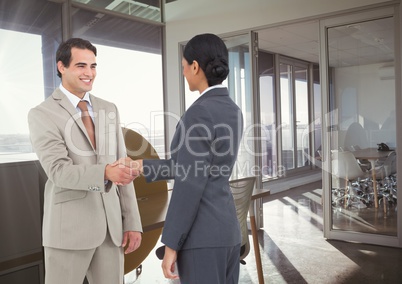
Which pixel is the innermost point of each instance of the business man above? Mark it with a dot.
(90, 208)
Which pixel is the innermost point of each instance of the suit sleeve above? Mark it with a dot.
(50, 146)
(155, 170)
(193, 162)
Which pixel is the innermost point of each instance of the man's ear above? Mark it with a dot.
(60, 67)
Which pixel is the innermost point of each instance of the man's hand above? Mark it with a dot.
(119, 173)
(135, 165)
(132, 240)
(168, 263)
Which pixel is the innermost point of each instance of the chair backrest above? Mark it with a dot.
(345, 166)
(390, 164)
(242, 189)
(356, 135)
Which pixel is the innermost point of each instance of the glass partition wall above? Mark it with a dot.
(240, 90)
(361, 172)
(269, 163)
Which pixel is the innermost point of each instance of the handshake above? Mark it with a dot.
(123, 171)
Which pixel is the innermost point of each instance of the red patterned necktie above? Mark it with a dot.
(87, 120)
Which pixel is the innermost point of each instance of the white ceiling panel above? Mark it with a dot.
(363, 43)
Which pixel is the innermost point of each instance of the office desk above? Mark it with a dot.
(372, 155)
(152, 208)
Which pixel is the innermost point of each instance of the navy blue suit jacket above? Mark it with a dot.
(204, 148)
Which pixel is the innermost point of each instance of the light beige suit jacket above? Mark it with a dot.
(78, 206)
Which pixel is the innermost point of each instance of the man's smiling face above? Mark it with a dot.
(79, 76)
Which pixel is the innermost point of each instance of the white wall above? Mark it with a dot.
(186, 18)
(375, 100)
(375, 96)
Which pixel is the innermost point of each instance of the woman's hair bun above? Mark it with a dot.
(211, 54)
(217, 70)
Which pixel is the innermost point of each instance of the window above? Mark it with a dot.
(294, 127)
(29, 30)
(21, 87)
(129, 72)
(136, 89)
(268, 115)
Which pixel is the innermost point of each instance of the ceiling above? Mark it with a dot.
(360, 44)
(298, 41)
(349, 45)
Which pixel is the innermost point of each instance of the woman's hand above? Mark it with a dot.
(169, 262)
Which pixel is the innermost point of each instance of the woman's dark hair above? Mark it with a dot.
(63, 53)
(211, 54)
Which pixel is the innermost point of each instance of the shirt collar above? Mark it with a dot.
(73, 98)
(213, 87)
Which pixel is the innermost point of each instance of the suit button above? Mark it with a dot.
(94, 188)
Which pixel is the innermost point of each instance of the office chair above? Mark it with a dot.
(387, 166)
(346, 167)
(364, 164)
(242, 190)
(385, 174)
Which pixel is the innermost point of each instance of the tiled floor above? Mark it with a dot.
(293, 249)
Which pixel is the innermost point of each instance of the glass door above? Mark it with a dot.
(360, 180)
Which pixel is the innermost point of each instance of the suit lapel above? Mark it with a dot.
(65, 103)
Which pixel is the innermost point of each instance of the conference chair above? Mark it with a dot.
(242, 190)
(346, 167)
(385, 174)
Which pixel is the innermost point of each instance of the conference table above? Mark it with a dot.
(153, 209)
(372, 155)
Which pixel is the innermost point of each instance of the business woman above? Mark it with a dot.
(201, 231)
